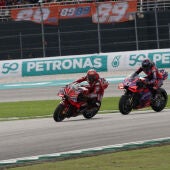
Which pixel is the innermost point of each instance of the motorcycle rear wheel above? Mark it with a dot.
(161, 100)
(125, 106)
(58, 115)
(88, 115)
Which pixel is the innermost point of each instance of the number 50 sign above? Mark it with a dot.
(113, 11)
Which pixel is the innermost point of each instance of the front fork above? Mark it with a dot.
(66, 105)
(133, 99)
(69, 110)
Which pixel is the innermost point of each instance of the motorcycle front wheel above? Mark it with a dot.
(58, 115)
(125, 104)
(160, 101)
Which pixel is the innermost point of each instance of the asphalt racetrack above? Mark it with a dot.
(25, 138)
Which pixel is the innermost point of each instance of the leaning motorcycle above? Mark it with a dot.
(137, 95)
(74, 102)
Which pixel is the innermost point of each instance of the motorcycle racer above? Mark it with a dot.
(96, 87)
(153, 78)
(137, 95)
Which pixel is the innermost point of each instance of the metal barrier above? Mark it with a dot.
(143, 5)
(147, 5)
(149, 28)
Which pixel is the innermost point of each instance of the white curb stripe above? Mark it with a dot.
(34, 158)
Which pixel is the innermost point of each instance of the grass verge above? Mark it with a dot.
(154, 158)
(46, 107)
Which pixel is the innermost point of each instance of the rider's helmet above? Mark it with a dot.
(92, 76)
(147, 65)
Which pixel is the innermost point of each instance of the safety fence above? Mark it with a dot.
(147, 27)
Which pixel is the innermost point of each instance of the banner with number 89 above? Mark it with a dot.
(110, 12)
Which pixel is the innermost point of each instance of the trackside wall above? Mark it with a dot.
(103, 62)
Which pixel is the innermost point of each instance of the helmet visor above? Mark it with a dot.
(146, 69)
(91, 78)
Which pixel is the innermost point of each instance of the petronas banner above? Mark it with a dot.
(103, 62)
(64, 65)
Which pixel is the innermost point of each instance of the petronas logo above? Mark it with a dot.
(115, 62)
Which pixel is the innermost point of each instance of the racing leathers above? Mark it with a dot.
(153, 78)
(96, 92)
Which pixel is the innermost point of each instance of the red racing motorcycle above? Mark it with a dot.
(74, 102)
(137, 95)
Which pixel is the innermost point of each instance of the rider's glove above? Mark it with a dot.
(140, 84)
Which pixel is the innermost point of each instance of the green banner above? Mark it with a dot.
(64, 65)
(161, 59)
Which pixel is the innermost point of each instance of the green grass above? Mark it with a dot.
(46, 107)
(27, 108)
(154, 158)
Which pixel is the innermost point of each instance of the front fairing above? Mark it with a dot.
(70, 93)
(139, 97)
(129, 84)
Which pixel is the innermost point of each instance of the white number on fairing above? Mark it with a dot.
(110, 13)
